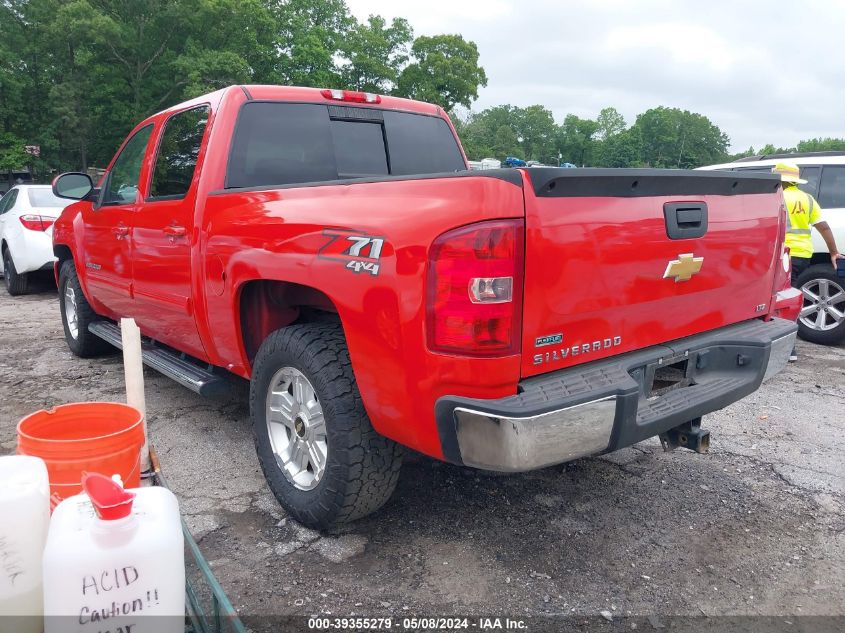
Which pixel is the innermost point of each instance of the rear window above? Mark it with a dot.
(45, 198)
(290, 143)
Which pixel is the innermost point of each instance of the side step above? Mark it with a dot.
(173, 365)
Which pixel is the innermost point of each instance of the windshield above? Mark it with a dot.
(45, 198)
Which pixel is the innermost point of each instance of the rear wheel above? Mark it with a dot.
(321, 457)
(16, 283)
(77, 315)
(822, 318)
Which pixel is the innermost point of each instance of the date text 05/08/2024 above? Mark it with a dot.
(417, 624)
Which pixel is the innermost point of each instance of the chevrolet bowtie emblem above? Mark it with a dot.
(683, 268)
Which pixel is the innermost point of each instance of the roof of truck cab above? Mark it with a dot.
(314, 95)
(300, 94)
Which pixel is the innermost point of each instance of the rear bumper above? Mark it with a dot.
(606, 405)
(32, 251)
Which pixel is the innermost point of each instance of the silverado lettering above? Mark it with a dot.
(582, 348)
(209, 229)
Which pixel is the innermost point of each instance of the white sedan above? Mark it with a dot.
(27, 213)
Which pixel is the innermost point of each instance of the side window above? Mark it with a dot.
(8, 201)
(122, 184)
(811, 175)
(177, 154)
(832, 187)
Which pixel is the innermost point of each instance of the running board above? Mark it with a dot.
(173, 365)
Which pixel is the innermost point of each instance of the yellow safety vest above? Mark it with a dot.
(802, 211)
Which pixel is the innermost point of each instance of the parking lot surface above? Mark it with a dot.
(755, 527)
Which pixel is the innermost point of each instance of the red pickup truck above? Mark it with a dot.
(332, 247)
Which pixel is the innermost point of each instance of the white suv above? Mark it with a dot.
(823, 318)
(27, 213)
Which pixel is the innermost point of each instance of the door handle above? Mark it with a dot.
(173, 231)
(685, 220)
(120, 231)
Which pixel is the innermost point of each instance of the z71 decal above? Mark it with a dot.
(361, 252)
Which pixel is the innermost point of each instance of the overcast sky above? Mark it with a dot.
(764, 72)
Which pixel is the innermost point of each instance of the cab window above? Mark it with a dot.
(122, 184)
(177, 154)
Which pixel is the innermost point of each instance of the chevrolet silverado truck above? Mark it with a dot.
(333, 248)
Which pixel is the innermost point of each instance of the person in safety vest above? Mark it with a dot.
(802, 212)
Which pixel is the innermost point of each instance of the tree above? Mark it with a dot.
(12, 154)
(679, 138)
(444, 70)
(620, 150)
(576, 140)
(609, 123)
(309, 36)
(505, 143)
(376, 54)
(511, 131)
(536, 129)
(77, 75)
(821, 145)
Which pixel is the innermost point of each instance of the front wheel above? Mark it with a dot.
(16, 283)
(321, 457)
(822, 318)
(77, 315)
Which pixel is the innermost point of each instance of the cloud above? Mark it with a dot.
(764, 72)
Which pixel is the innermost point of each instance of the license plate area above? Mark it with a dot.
(668, 374)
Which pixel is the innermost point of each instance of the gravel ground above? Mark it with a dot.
(756, 527)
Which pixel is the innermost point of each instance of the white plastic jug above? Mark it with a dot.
(24, 516)
(115, 561)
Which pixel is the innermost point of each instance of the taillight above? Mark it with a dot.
(474, 292)
(783, 268)
(351, 95)
(36, 222)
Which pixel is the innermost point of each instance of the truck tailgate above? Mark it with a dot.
(603, 276)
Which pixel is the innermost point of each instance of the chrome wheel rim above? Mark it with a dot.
(71, 313)
(824, 305)
(296, 428)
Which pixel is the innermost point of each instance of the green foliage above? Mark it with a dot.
(576, 140)
(609, 123)
(444, 70)
(623, 149)
(376, 54)
(671, 137)
(12, 154)
(511, 131)
(77, 75)
(821, 145)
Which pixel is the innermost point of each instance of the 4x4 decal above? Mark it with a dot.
(360, 251)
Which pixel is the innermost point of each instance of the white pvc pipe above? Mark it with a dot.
(133, 369)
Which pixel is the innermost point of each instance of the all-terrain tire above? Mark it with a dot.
(361, 466)
(822, 281)
(16, 283)
(83, 343)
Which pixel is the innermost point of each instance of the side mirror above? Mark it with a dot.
(73, 185)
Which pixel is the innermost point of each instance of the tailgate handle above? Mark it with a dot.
(685, 220)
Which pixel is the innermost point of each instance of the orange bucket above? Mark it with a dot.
(72, 439)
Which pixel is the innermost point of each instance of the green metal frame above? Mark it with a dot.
(207, 607)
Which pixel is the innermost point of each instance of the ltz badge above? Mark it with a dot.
(562, 353)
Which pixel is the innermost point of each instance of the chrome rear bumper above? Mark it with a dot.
(605, 405)
(517, 444)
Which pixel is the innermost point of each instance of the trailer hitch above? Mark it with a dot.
(687, 435)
